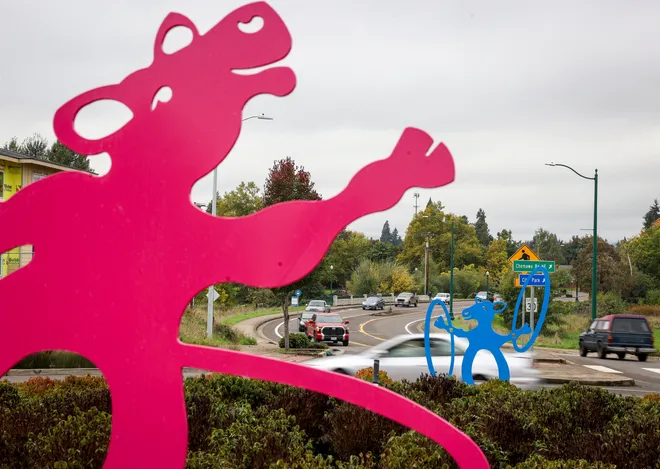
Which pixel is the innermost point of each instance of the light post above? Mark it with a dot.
(426, 266)
(487, 275)
(594, 258)
(332, 267)
(451, 273)
(214, 211)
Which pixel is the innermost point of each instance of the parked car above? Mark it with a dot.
(498, 297)
(404, 357)
(485, 296)
(618, 333)
(442, 296)
(406, 299)
(318, 306)
(373, 302)
(328, 327)
(302, 320)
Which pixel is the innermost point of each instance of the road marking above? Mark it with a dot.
(277, 333)
(654, 370)
(361, 330)
(417, 320)
(602, 369)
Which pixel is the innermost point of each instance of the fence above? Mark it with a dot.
(357, 300)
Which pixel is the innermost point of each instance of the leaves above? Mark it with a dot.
(36, 146)
(287, 182)
(245, 200)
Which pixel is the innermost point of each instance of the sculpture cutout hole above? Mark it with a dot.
(59, 407)
(253, 26)
(176, 39)
(14, 260)
(101, 118)
(226, 313)
(163, 95)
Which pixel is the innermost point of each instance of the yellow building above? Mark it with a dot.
(16, 172)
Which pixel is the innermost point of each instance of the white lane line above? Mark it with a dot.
(602, 369)
(407, 326)
(277, 330)
(654, 370)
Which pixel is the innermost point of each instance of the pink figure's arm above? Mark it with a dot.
(360, 393)
(282, 243)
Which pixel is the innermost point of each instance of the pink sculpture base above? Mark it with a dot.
(141, 246)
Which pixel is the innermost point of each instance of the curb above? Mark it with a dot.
(627, 382)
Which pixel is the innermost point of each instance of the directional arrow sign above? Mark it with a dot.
(530, 266)
(537, 280)
(298, 292)
(212, 294)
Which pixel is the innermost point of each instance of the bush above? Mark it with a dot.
(610, 303)
(653, 297)
(645, 310)
(367, 374)
(296, 340)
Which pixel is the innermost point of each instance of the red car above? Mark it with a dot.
(329, 327)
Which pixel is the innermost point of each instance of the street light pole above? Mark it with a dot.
(332, 267)
(451, 273)
(426, 266)
(594, 258)
(487, 275)
(214, 212)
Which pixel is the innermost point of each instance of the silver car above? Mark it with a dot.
(318, 306)
(404, 357)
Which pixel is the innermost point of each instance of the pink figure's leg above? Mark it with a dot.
(282, 243)
(361, 393)
(149, 422)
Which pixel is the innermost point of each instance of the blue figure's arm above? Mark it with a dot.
(441, 324)
(524, 330)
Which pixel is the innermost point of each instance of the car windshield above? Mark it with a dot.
(316, 303)
(307, 315)
(630, 325)
(372, 299)
(405, 295)
(329, 319)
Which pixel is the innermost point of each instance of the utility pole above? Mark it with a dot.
(451, 273)
(416, 195)
(426, 267)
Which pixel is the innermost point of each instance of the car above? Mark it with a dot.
(442, 296)
(618, 333)
(302, 320)
(318, 306)
(406, 299)
(328, 327)
(373, 302)
(484, 296)
(404, 357)
(498, 297)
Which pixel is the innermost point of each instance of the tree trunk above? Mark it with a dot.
(285, 311)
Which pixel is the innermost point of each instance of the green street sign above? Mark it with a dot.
(529, 266)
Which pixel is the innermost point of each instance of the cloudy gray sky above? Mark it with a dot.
(507, 85)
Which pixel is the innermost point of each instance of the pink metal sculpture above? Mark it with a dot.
(140, 244)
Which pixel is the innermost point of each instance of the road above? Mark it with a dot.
(368, 328)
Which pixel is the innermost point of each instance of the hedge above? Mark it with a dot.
(240, 423)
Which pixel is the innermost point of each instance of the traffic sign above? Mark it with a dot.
(212, 294)
(528, 305)
(298, 292)
(537, 280)
(294, 301)
(529, 266)
(524, 254)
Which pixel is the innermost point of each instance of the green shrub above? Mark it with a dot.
(296, 340)
(539, 462)
(610, 303)
(652, 297)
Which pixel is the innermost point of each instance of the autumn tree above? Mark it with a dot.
(610, 272)
(286, 182)
(481, 229)
(245, 200)
(652, 215)
(548, 247)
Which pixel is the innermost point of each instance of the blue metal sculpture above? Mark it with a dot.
(483, 336)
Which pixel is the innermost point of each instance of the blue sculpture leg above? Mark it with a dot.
(466, 366)
(502, 366)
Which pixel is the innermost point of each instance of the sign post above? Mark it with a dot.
(212, 295)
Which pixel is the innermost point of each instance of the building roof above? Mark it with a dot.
(20, 158)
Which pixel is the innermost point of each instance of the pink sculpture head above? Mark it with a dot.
(142, 249)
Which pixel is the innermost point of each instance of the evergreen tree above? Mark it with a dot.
(481, 227)
(652, 215)
(429, 203)
(396, 239)
(386, 234)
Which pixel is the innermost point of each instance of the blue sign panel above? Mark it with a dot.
(298, 292)
(536, 281)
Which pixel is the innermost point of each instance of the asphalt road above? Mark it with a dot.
(368, 328)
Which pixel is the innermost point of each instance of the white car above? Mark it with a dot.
(404, 357)
(442, 296)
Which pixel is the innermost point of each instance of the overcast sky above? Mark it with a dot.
(507, 85)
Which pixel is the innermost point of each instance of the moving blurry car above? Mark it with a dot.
(329, 327)
(406, 299)
(302, 320)
(404, 357)
(498, 297)
(619, 334)
(442, 296)
(482, 295)
(373, 302)
(319, 306)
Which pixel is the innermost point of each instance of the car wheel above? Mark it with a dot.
(601, 351)
(642, 357)
(621, 355)
(341, 372)
(345, 343)
(363, 308)
(583, 351)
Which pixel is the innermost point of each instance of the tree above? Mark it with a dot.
(481, 229)
(396, 239)
(63, 155)
(385, 234)
(511, 245)
(365, 279)
(287, 182)
(497, 260)
(240, 202)
(347, 251)
(611, 270)
(36, 146)
(652, 215)
(572, 249)
(382, 252)
(644, 251)
(548, 247)
(429, 203)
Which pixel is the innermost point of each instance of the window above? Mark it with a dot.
(415, 348)
(603, 325)
(593, 326)
(630, 325)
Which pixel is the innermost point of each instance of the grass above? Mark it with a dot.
(54, 359)
(240, 314)
(193, 331)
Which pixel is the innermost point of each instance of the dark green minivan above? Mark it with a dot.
(620, 334)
